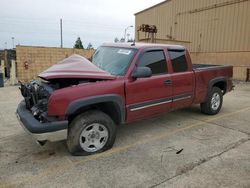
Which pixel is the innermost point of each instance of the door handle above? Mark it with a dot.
(168, 82)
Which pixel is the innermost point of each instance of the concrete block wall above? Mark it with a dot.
(39, 59)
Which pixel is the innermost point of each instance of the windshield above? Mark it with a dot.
(113, 60)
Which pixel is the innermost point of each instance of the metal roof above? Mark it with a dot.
(152, 6)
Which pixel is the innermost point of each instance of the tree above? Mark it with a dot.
(78, 44)
(90, 46)
(130, 40)
(116, 40)
(122, 40)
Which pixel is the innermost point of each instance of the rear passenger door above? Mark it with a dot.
(146, 97)
(182, 78)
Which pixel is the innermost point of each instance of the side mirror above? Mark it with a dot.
(142, 72)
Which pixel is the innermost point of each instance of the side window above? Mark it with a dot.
(154, 60)
(178, 60)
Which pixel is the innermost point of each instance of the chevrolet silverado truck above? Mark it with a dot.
(84, 101)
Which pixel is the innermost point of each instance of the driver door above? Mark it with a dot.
(146, 97)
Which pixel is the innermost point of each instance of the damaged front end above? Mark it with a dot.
(36, 95)
(33, 112)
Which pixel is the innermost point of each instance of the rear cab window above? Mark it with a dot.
(155, 60)
(178, 60)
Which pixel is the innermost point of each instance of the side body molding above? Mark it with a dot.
(115, 99)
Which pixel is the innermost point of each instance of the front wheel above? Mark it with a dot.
(213, 105)
(91, 132)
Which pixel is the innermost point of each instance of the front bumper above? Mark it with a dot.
(51, 131)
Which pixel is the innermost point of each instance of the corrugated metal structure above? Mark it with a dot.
(208, 28)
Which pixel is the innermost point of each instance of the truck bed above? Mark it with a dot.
(204, 73)
(205, 66)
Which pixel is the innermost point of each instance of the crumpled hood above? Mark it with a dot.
(75, 66)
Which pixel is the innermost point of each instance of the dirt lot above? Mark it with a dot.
(216, 151)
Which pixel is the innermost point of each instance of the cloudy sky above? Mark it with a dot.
(37, 22)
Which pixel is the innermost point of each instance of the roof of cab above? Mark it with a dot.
(138, 45)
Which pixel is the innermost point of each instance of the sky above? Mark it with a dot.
(37, 22)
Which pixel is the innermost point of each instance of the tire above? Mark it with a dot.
(213, 105)
(91, 132)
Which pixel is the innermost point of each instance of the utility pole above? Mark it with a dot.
(61, 33)
(13, 42)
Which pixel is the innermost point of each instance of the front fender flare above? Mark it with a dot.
(117, 100)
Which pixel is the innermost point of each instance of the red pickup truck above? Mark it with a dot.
(84, 101)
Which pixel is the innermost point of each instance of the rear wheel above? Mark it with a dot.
(91, 132)
(213, 105)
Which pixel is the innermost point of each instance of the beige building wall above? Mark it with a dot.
(226, 58)
(39, 59)
(208, 25)
(213, 28)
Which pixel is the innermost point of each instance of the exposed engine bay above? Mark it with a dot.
(36, 94)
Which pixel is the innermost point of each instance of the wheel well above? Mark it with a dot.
(222, 85)
(109, 108)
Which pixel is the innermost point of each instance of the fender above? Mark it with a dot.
(214, 81)
(84, 102)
